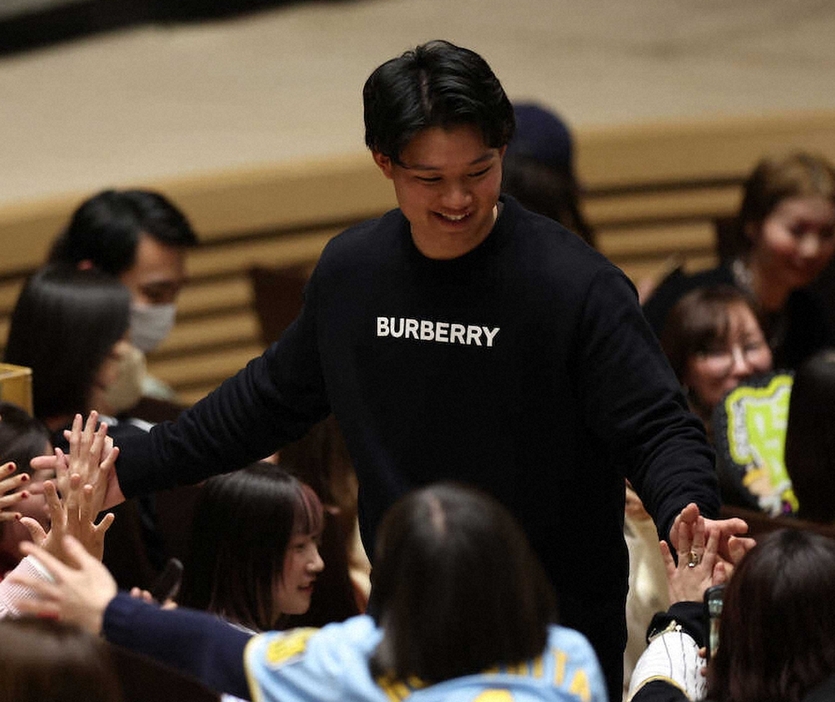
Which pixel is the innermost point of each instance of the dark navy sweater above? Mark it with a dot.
(524, 367)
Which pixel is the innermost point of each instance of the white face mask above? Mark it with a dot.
(150, 324)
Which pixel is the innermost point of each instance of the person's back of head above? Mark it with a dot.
(22, 437)
(243, 523)
(540, 189)
(544, 137)
(456, 587)
(44, 660)
(777, 630)
(64, 325)
(105, 229)
(437, 84)
(538, 168)
(810, 438)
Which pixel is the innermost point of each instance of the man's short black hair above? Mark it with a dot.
(437, 84)
(105, 229)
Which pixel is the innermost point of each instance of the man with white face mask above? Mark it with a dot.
(141, 237)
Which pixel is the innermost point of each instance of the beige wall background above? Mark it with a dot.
(156, 102)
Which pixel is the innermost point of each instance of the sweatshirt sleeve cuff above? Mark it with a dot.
(687, 615)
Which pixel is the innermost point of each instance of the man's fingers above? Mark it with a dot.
(690, 513)
(698, 542)
(88, 435)
(61, 467)
(683, 527)
(685, 539)
(110, 460)
(738, 547)
(46, 462)
(98, 443)
(733, 526)
(667, 557)
(712, 546)
(75, 436)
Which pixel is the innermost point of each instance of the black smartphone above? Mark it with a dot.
(714, 596)
(167, 584)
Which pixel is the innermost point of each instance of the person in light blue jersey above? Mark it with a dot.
(462, 610)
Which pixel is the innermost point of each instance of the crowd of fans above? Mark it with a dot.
(490, 482)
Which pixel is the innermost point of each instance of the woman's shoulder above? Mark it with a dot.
(315, 665)
(356, 636)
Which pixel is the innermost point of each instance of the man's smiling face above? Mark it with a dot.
(447, 183)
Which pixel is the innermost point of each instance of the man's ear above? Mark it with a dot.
(383, 163)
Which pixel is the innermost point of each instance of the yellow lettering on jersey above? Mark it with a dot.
(580, 685)
(517, 669)
(559, 667)
(538, 668)
(395, 690)
(415, 682)
(494, 696)
(280, 650)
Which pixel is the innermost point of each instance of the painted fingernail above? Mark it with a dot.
(24, 495)
(11, 468)
(24, 478)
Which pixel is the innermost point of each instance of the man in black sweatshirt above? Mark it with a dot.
(462, 337)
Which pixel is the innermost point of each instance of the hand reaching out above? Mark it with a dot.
(88, 447)
(82, 482)
(79, 591)
(731, 547)
(699, 565)
(74, 515)
(80, 438)
(86, 442)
